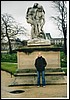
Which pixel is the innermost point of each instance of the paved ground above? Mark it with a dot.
(50, 91)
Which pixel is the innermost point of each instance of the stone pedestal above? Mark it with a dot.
(27, 60)
(38, 41)
(26, 73)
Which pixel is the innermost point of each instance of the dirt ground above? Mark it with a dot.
(50, 91)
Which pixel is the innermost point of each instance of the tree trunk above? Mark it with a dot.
(65, 44)
(10, 48)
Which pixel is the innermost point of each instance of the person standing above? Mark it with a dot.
(40, 64)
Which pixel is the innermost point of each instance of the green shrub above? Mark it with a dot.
(63, 59)
(6, 57)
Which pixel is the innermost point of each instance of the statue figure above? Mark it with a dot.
(35, 16)
(40, 20)
(31, 20)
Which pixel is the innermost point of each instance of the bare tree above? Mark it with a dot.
(61, 19)
(6, 23)
(9, 29)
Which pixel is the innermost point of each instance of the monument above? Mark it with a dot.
(35, 16)
(26, 73)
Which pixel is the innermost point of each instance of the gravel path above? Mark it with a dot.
(50, 91)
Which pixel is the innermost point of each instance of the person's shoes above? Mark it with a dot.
(38, 86)
(43, 86)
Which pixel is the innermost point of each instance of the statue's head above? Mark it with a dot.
(35, 5)
(40, 8)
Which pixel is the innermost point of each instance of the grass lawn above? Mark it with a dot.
(9, 67)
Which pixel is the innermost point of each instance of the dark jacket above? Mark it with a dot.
(40, 64)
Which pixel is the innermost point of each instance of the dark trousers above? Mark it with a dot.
(43, 78)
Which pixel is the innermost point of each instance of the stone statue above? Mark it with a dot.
(35, 16)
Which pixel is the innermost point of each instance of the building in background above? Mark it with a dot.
(55, 41)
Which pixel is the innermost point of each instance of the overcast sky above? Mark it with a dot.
(18, 10)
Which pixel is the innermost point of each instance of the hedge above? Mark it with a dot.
(6, 57)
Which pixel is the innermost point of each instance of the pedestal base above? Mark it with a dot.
(26, 73)
(52, 76)
(38, 42)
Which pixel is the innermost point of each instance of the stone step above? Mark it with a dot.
(35, 74)
(33, 70)
(29, 77)
(32, 80)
